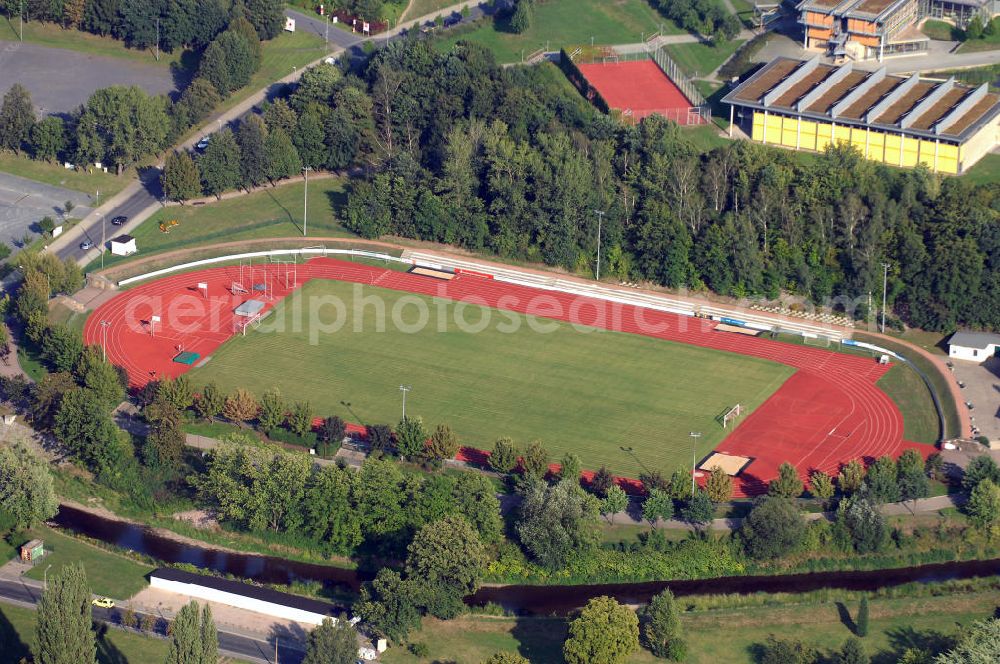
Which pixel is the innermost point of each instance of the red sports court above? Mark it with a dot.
(639, 88)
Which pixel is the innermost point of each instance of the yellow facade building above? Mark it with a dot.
(896, 120)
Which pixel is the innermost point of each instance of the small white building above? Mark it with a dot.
(123, 245)
(242, 595)
(973, 346)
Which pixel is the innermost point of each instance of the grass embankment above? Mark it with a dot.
(908, 390)
(268, 212)
(590, 393)
(54, 174)
(700, 59)
(54, 36)
(986, 170)
(17, 633)
(910, 405)
(984, 43)
(108, 573)
(418, 8)
(941, 31)
(898, 621)
(559, 23)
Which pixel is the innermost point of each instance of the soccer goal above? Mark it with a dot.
(820, 340)
(241, 324)
(731, 415)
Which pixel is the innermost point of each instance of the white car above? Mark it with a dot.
(86, 245)
(203, 143)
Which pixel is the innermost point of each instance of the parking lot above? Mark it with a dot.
(61, 80)
(24, 202)
(982, 390)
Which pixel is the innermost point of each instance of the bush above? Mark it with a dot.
(419, 649)
(280, 435)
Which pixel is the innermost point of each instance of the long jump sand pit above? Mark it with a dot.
(730, 464)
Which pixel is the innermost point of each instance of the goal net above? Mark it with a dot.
(816, 340)
(241, 324)
(731, 415)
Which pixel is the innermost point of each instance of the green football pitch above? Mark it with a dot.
(616, 399)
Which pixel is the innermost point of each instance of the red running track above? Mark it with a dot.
(829, 412)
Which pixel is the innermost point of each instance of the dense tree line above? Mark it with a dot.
(700, 16)
(458, 150)
(183, 24)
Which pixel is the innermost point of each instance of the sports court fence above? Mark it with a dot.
(695, 115)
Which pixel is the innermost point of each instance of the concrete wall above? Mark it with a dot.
(971, 354)
(239, 601)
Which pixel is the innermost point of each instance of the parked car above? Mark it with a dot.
(454, 19)
(120, 220)
(86, 245)
(203, 143)
(104, 603)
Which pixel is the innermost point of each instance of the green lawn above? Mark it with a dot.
(895, 624)
(700, 59)
(590, 392)
(54, 36)
(985, 43)
(57, 176)
(986, 170)
(108, 573)
(270, 212)
(907, 389)
(420, 8)
(17, 632)
(941, 30)
(561, 23)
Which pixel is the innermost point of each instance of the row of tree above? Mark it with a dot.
(456, 149)
(701, 16)
(173, 25)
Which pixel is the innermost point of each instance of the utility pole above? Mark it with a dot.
(20, 20)
(305, 203)
(45, 578)
(327, 37)
(105, 324)
(885, 281)
(404, 389)
(600, 219)
(104, 230)
(695, 435)
(157, 38)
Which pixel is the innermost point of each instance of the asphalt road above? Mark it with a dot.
(317, 25)
(230, 645)
(60, 80)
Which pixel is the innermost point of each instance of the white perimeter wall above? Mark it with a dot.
(239, 601)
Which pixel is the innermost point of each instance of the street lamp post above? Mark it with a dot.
(600, 220)
(104, 232)
(695, 435)
(45, 578)
(157, 38)
(305, 203)
(885, 281)
(404, 389)
(105, 324)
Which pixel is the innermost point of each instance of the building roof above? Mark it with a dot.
(122, 239)
(246, 590)
(980, 340)
(926, 108)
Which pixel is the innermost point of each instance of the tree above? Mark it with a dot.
(198, 100)
(267, 17)
(780, 651)
(300, 418)
(332, 643)
(240, 406)
(17, 117)
(506, 658)
(252, 138)
(411, 437)
(503, 458)
(282, 159)
(787, 484)
(535, 460)
(73, 13)
(181, 180)
(65, 632)
(272, 410)
(26, 490)
(719, 485)
(773, 528)
(279, 115)
(601, 482)
(178, 391)
(974, 30)
(569, 468)
(699, 510)
(615, 501)
(332, 430)
(220, 163)
(379, 436)
(605, 632)
(476, 499)
(911, 476)
(388, 605)
(861, 622)
(520, 20)
(977, 644)
(658, 505)
(48, 139)
(821, 487)
(864, 523)
(308, 137)
(882, 480)
(660, 627)
(316, 87)
(853, 652)
(165, 442)
(980, 468)
(193, 639)
(984, 506)
(553, 522)
(443, 444)
(119, 125)
(62, 347)
(448, 559)
(851, 476)
(210, 403)
(241, 26)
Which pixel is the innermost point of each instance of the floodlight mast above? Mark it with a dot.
(404, 389)
(695, 435)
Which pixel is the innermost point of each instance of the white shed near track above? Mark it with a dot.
(123, 245)
(973, 346)
(242, 595)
